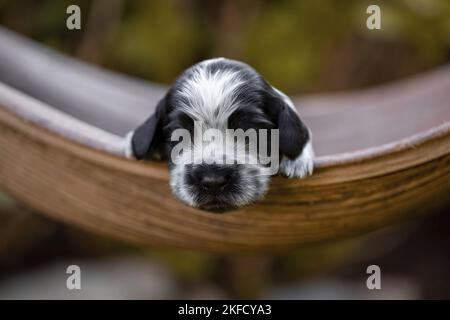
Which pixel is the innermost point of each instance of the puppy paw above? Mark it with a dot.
(300, 167)
(127, 145)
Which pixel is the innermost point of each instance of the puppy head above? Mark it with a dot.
(223, 130)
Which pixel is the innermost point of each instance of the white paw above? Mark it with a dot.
(300, 167)
(127, 146)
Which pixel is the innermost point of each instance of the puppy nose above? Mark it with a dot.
(212, 180)
(214, 183)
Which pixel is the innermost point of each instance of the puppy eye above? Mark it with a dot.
(178, 120)
(261, 122)
(249, 120)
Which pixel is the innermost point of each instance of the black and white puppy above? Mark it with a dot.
(223, 94)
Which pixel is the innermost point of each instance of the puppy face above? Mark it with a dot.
(210, 105)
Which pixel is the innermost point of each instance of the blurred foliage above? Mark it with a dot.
(5, 201)
(175, 48)
(189, 266)
(300, 46)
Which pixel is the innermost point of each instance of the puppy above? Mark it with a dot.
(223, 94)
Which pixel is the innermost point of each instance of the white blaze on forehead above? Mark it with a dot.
(209, 96)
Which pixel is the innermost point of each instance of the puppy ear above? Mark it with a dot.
(148, 140)
(294, 135)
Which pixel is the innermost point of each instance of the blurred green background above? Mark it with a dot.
(300, 47)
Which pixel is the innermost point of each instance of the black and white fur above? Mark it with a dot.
(223, 93)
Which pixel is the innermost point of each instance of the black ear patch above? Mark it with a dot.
(148, 139)
(293, 133)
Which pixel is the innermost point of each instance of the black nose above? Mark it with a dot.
(214, 183)
(213, 179)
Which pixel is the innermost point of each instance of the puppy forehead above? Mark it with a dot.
(213, 90)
